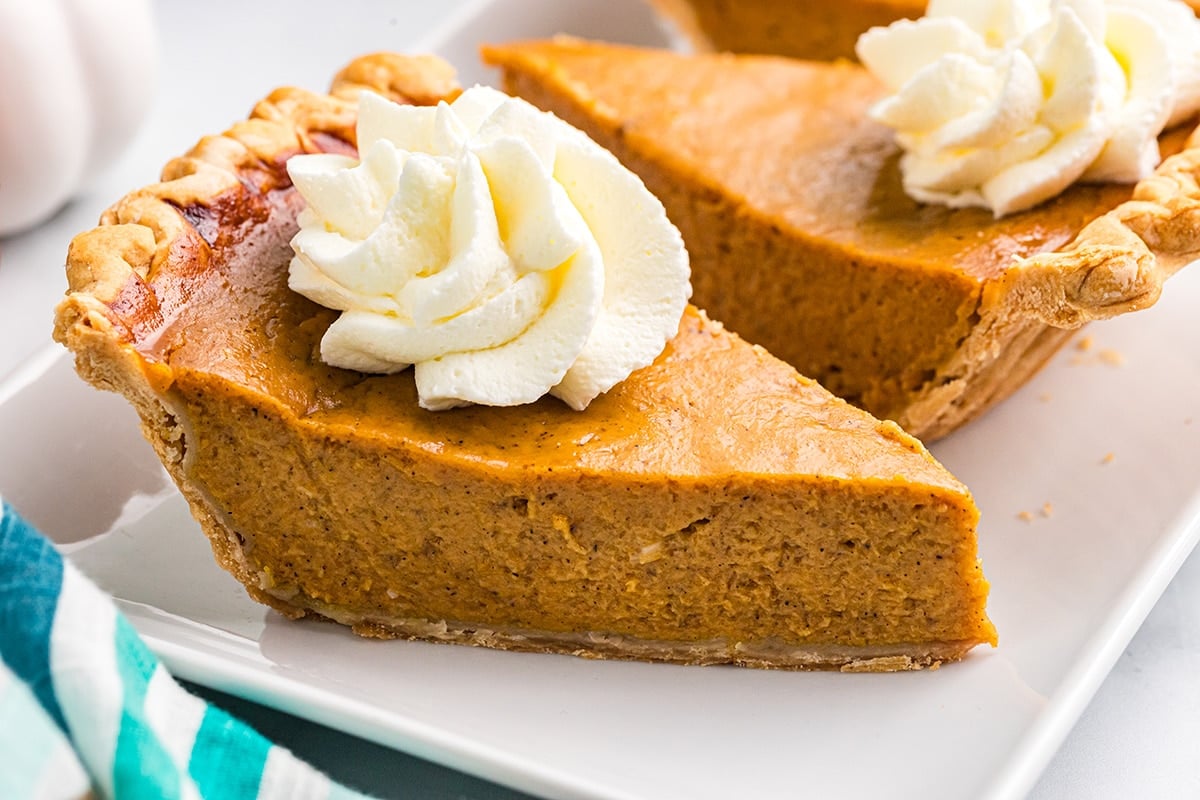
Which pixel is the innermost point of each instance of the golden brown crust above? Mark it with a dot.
(138, 231)
(1117, 264)
(421, 80)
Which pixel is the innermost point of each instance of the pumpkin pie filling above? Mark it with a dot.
(714, 507)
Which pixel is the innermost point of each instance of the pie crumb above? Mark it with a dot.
(1047, 510)
(1108, 458)
(1086, 354)
(1025, 516)
(1045, 397)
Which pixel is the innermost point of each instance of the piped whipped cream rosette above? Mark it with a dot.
(1005, 103)
(490, 245)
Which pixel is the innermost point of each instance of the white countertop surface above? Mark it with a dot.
(1140, 736)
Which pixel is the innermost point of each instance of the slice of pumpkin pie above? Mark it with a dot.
(711, 506)
(790, 194)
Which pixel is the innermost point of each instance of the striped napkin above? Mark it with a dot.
(86, 710)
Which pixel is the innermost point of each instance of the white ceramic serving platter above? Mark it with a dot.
(1071, 582)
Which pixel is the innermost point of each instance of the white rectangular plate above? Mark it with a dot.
(1071, 583)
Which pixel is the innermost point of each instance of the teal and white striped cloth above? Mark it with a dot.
(86, 710)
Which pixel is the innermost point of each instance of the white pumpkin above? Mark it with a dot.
(76, 78)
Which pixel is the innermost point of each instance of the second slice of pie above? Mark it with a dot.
(803, 240)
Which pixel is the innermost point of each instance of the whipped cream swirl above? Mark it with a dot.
(493, 246)
(1004, 103)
